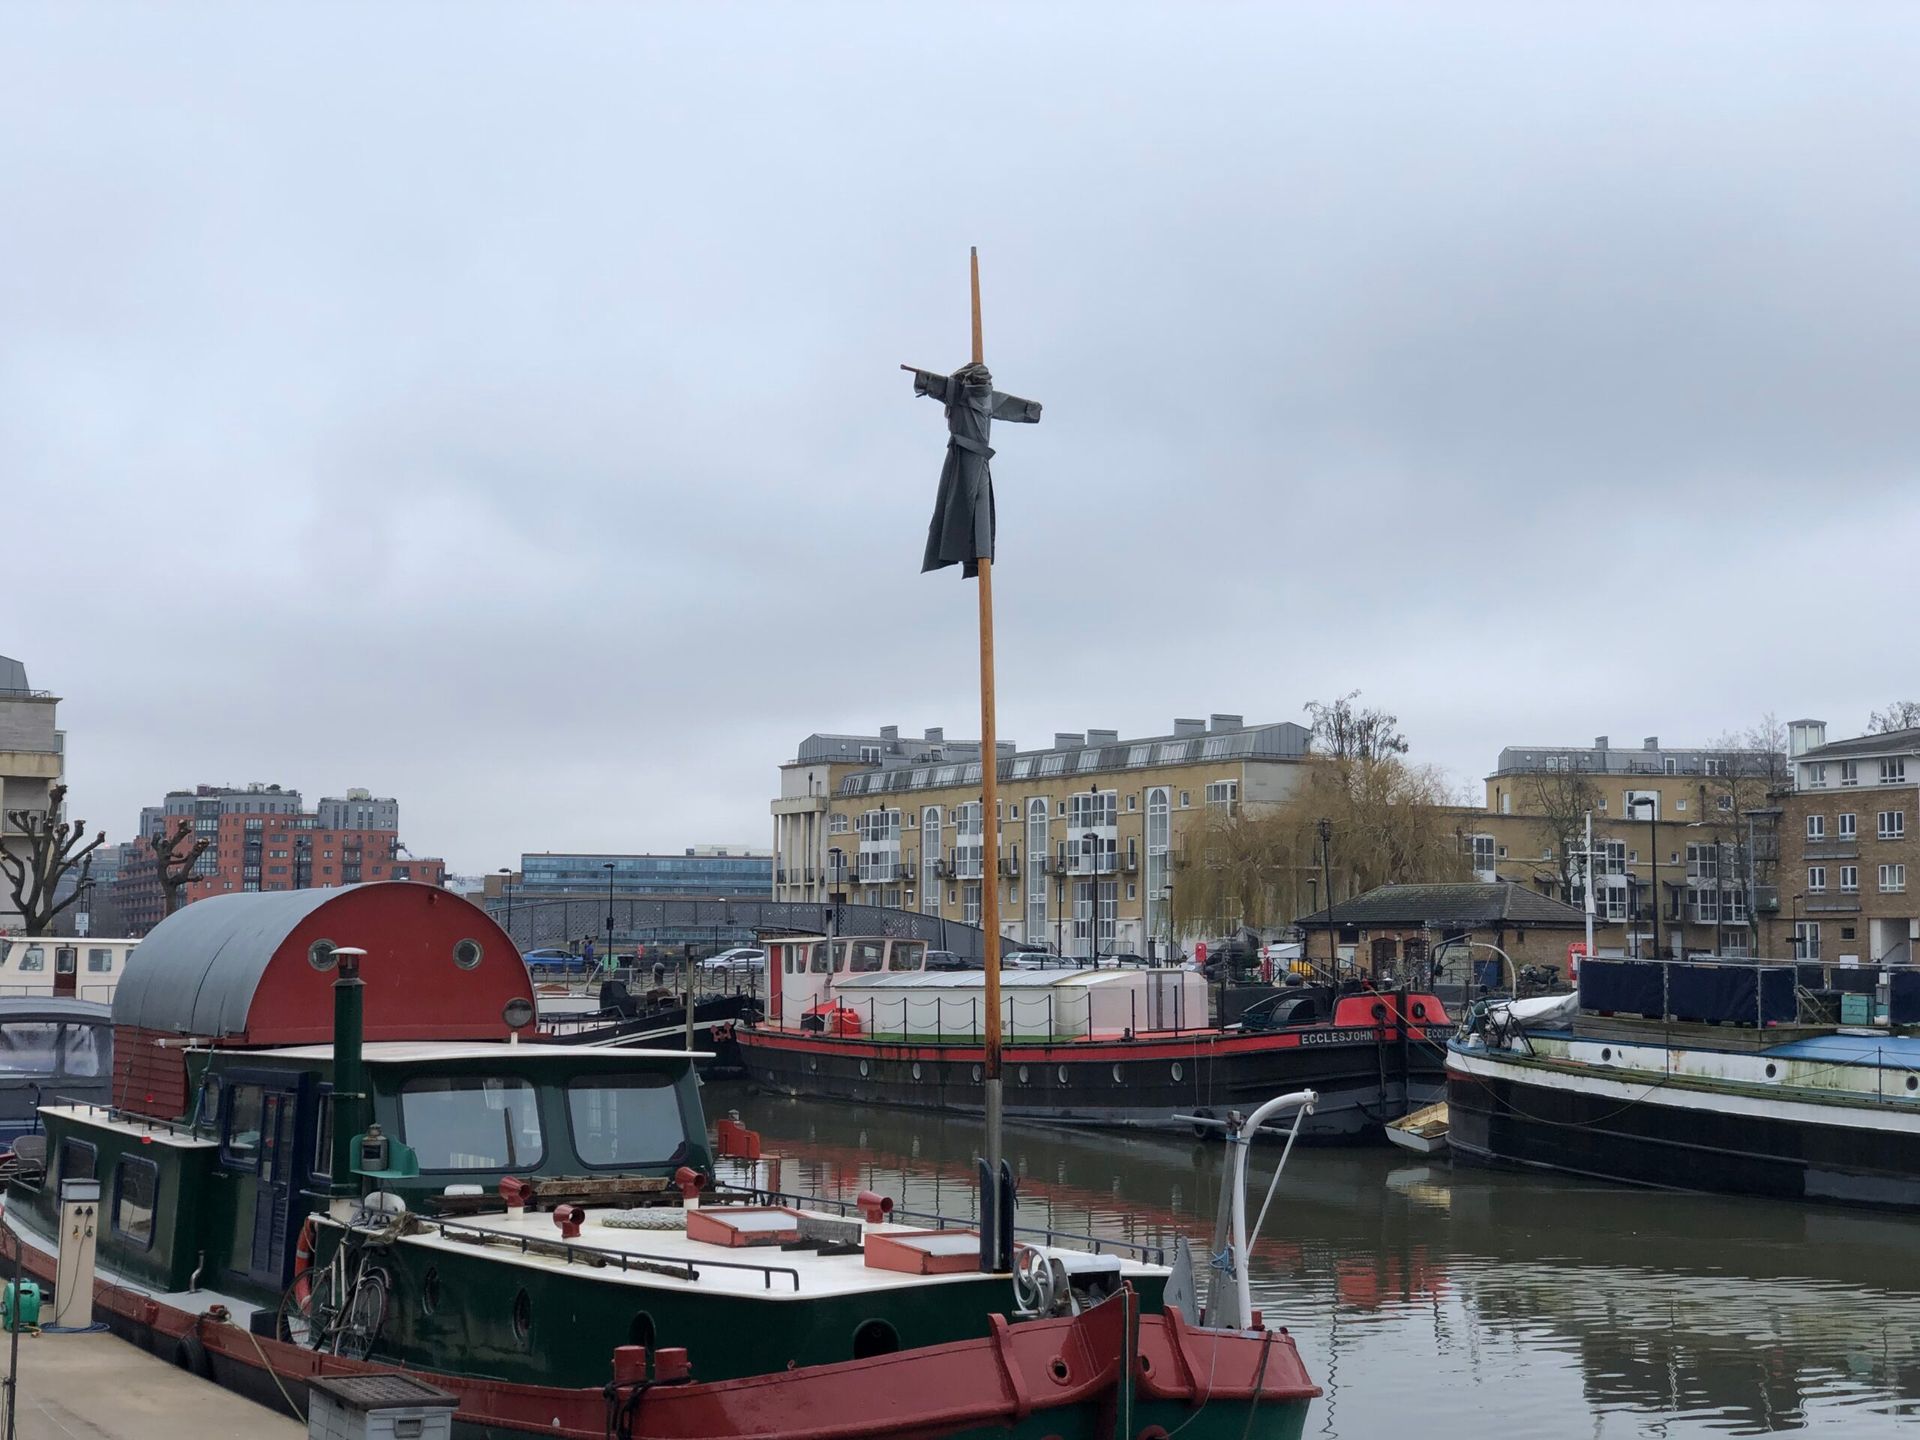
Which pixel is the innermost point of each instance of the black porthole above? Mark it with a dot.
(640, 1332)
(1605, 1054)
(1772, 1070)
(320, 955)
(1119, 1076)
(1062, 1073)
(916, 1069)
(863, 1067)
(874, 1337)
(467, 953)
(430, 1291)
(1023, 1074)
(1913, 1082)
(976, 1074)
(1177, 1071)
(522, 1317)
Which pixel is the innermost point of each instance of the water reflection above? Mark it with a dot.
(1466, 1303)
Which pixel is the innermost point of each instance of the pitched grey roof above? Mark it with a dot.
(1890, 742)
(1468, 906)
(196, 972)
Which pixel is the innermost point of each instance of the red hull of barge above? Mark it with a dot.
(1044, 1378)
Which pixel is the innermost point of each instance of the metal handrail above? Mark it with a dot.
(1147, 1254)
(629, 1259)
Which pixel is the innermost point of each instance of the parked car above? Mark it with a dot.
(552, 961)
(741, 957)
(947, 960)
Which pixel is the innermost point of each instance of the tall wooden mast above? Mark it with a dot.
(989, 808)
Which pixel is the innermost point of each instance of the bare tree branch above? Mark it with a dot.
(53, 848)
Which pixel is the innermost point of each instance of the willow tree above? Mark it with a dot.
(1390, 823)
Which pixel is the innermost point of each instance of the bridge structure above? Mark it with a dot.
(538, 922)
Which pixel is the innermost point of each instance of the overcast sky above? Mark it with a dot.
(497, 406)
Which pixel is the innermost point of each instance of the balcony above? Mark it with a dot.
(1836, 849)
(1009, 868)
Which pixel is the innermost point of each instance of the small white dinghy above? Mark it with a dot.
(1424, 1131)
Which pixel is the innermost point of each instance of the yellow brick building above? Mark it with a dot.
(1083, 845)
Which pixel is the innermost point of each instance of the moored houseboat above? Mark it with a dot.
(1700, 1075)
(861, 1019)
(335, 1148)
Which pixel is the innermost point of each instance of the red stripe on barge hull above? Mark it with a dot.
(915, 1395)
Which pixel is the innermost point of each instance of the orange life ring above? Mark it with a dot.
(303, 1254)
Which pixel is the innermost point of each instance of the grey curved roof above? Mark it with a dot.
(196, 972)
(52, 1007)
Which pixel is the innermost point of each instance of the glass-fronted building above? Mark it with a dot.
(718, 871)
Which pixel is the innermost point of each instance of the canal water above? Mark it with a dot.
(1454, 1304)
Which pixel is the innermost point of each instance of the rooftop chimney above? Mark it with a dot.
(1599, 742)
(1222, 724)
(1652, 742)
(1068, 740)
(1189, 727)
(936, 735)
(889, 732)
(1103, 737)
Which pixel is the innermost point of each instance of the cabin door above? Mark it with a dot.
(273, 1194)
(66, 969)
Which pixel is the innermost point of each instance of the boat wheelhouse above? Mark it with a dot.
(51, 1049)
(517, 1222)
(84, 967)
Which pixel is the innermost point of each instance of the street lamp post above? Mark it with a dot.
(1092, 839)
(1653, 865)
(1324, 828)
(608, 867)
(507, 886)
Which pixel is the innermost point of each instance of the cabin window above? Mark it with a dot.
(34, 958)
(29, 1047)
(322, 1166)
(903, 956)
(868, 956)
(206, 1115)
(66, 959)
(99, 960)
(471, 1122)
(135, 1183)
(76, 1160)
(241, 1148)
(80, 1050)
(625, 1120)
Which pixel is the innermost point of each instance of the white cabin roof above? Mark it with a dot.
(401, 1052)
(977, 979)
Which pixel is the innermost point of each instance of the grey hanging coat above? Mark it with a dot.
(963, 522)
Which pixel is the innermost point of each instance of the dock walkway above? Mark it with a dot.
(98, 1387)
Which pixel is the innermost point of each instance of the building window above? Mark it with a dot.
(1714, 767)
(1670, 765)
(1849, 879)
(1613, 857)
(836, 825)
(869, 754)
(1036, 872)
(1893, 879)
(1224, 796)
(969, 845)
(1139, 754)
(1806, 940)
(1816, 827)
(1849, 772)
(1133, 803)
(1482, 854)
(1093, 811)
(1893, 772)
(1849, 825)
(1703, 862)
(970, 903)
(1893, 824)
(1816, 879)
(1610, 897)
(1186, 800)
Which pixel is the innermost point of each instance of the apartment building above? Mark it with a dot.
(32, 759)
(1083, 847)
(1686, 833)
(263, 838)
(1850, 846)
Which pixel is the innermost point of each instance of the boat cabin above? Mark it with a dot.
(879, 987)
(802, 970)
(85, 967)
